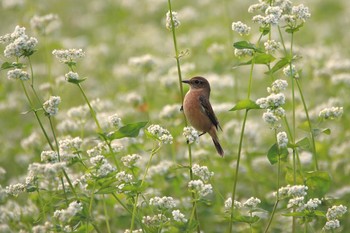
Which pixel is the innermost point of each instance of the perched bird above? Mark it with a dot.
(198, 110)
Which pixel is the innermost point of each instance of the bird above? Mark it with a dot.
(198, 110)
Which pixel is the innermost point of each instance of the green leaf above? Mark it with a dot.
(317, 132)
(275, 153)
(246, 219)
(106, 190)
(246, 45)
(129, 130)
(245, 104)
(76, 81)
(6, 65)
(304, 143)
(279, 65)
(261, 58)
(294, 29)
(264, 30)
(318, 183)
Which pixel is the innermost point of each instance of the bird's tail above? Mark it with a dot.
(218, 147)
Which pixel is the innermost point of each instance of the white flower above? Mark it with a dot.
(228, 204)
(162, 134)
(15, 189)
(277, 86)
(290, 71)
(312, 204)
(202, 172)
(252, 202)
(335, 212)
(69, 55)
(115, 121)
(191, 134)
(244, 52)
(241, 28)
(65, 215)
(18, 74)
(130, 160)
(199, 187)
(296, 202)
(178, 216)
(331, 113)
(49, 156)
(51, 105)
(271, 46)
(331, 224)
(301, 12)
(163, 202)
(123, 177)
(71, 76)
(175, 20)
(297, 190)
(282, 140)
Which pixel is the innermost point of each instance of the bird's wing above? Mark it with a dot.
(209, 111)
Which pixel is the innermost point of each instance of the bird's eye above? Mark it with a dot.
(197, 82)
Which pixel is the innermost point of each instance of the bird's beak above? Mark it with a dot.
(186, 81)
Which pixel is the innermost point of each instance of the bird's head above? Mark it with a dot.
(198, 83)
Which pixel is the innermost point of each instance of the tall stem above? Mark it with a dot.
(177, 57)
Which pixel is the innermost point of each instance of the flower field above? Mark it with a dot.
(94, 139)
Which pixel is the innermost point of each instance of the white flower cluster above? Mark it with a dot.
(228, 204)
(15, 189)
(102, 166)
(244, 52)
(160, 133)
(18, 74)
(133, 231)
(49, 156)
(273, 103)
(332, 216)
(252, 202)
(191, 134)
(130, 160)
(178, 216)
(202, 172)
(163, 203)
(51, 106)
(123, 177)
(45, 24)
(282, 140)
(68, 55)
(271, 46)
(280, 10)
(65, 215)
(158, 219)
(200, 188)
(290, 71)
(331, 113)
(19, 44)
(115, 121)
(71, 76)
(241, 28)
(297, 194)
(168, 23)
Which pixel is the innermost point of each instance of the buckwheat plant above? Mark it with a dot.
(172, 23)
(279, 22)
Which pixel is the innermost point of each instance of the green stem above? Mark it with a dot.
(177, 57)
(92, 111)
(309, 124)
(133, 217)
(106, 215)
(37, 116)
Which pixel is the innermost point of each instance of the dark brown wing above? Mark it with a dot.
(209, 111)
